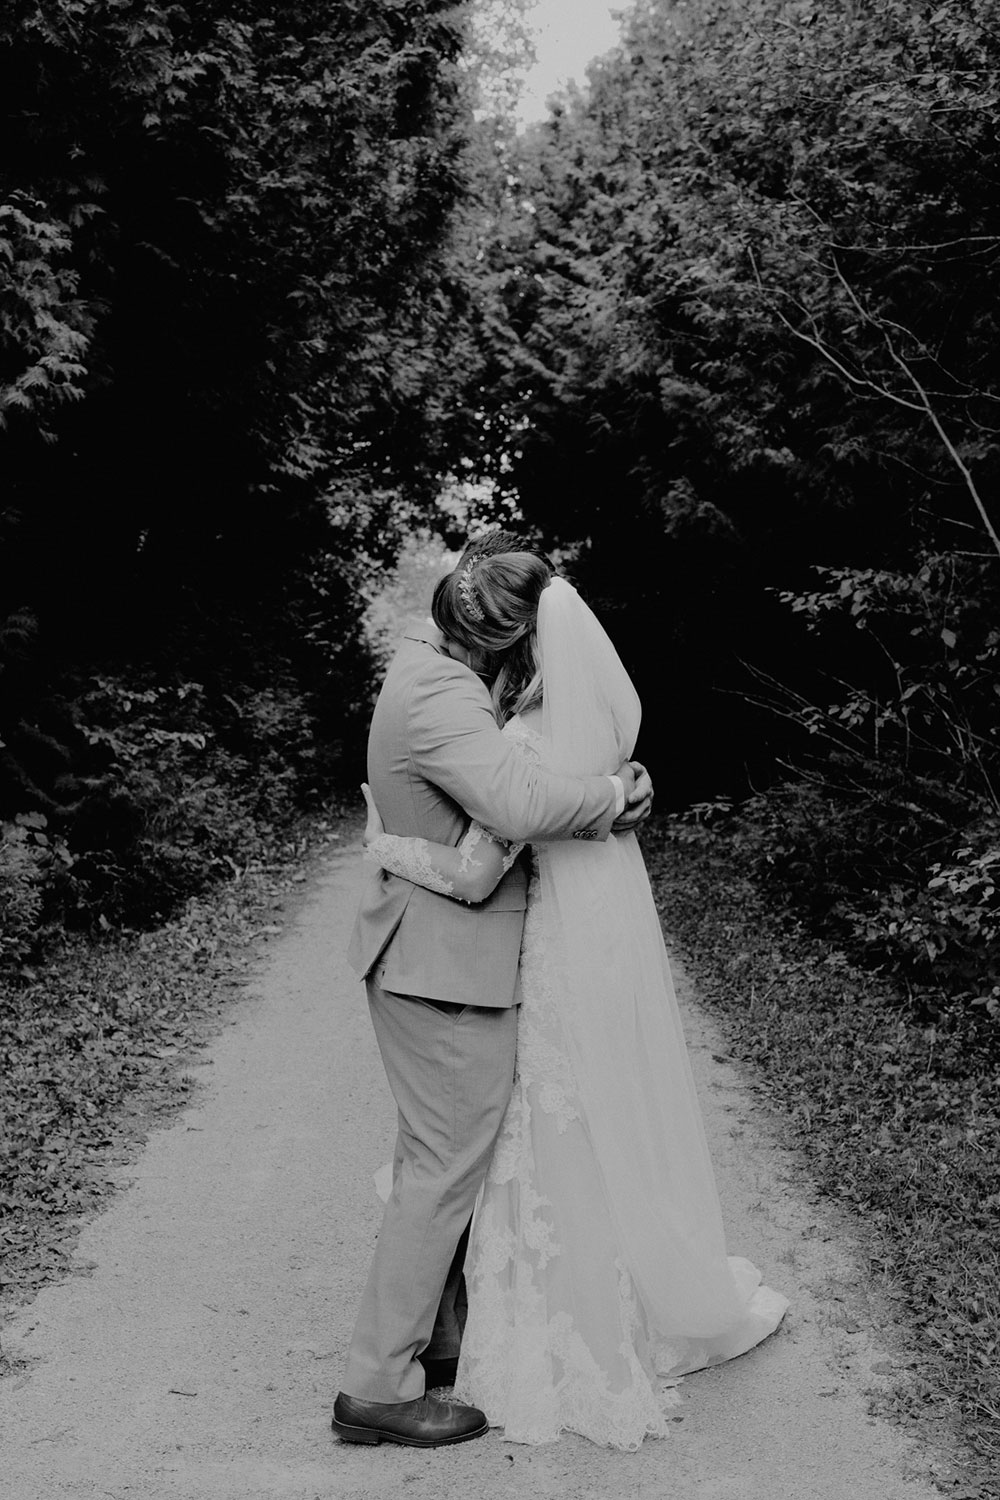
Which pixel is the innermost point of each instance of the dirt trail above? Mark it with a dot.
(199, 1359)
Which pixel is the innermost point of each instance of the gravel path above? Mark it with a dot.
(199, 1358)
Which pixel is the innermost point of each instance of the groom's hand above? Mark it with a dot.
(638, 801)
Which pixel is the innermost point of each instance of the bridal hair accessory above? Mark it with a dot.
(467, 590)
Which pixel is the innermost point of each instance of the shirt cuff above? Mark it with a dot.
(619, 787)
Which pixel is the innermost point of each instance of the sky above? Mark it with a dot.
(569, 34)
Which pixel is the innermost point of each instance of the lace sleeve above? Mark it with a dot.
(468, 872)
(410, 858)
(474, 837)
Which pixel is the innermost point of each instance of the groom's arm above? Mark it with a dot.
(454, 742)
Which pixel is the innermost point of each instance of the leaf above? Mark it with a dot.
(31, 820)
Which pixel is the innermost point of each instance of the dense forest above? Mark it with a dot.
(738, 354)
(223, 233)
(278, 285)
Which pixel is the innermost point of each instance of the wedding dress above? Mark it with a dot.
(597, 1270)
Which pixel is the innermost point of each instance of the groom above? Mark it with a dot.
(442, 987)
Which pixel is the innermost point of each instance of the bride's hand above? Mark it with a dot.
(374, 825)
(638, 803)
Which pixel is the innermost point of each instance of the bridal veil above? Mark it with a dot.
(609, 968)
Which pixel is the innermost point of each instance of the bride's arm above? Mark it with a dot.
(467, 872)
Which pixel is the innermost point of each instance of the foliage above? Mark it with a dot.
(406, 593)
(855, 862)
(890, 834)
(24, 858)
(709, 292)
(899, 1118)
(223, 235)
(499, 49)
(245, 202)
(40, 314)
(734, 348)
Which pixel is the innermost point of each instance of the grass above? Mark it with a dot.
(898, 1117)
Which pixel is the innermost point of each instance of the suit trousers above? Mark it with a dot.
(451, 1071)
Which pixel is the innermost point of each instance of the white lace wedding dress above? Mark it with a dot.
(558, 1336)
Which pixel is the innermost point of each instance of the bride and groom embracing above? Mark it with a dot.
(523, 1005)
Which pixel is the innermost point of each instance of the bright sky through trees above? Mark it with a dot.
(568, 34)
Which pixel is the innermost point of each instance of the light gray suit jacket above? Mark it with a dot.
(435, 758)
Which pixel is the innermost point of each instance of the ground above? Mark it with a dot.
(196, 1354)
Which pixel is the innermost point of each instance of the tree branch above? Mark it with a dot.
(923, 402)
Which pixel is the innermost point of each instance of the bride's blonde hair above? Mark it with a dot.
(490, 606)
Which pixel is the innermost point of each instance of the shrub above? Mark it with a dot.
(910, 888)
(20, 891)
(181, 789)
(28, 857)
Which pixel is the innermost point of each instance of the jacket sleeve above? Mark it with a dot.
(454, 742)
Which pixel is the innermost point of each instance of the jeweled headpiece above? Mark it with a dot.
(467, 589)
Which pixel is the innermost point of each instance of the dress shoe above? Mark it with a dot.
(426, 1423)
(439, 1371)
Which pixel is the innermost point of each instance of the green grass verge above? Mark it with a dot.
(899, 1118)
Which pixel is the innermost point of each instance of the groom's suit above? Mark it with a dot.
(442, 985)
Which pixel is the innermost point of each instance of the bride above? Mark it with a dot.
(597, 1268)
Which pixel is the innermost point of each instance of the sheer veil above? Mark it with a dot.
(610, 971)
(590, 710)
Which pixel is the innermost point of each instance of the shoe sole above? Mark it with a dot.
(350, 1434)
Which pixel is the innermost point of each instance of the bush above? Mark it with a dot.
(945, 934)
(158, 789)
(22, 869)
(898, 885)
(885, 829)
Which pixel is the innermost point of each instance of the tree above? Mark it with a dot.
(222, 233)
(732, 177)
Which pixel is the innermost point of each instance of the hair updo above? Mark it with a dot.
(489, 604)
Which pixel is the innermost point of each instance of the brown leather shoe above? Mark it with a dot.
(426, 1423)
